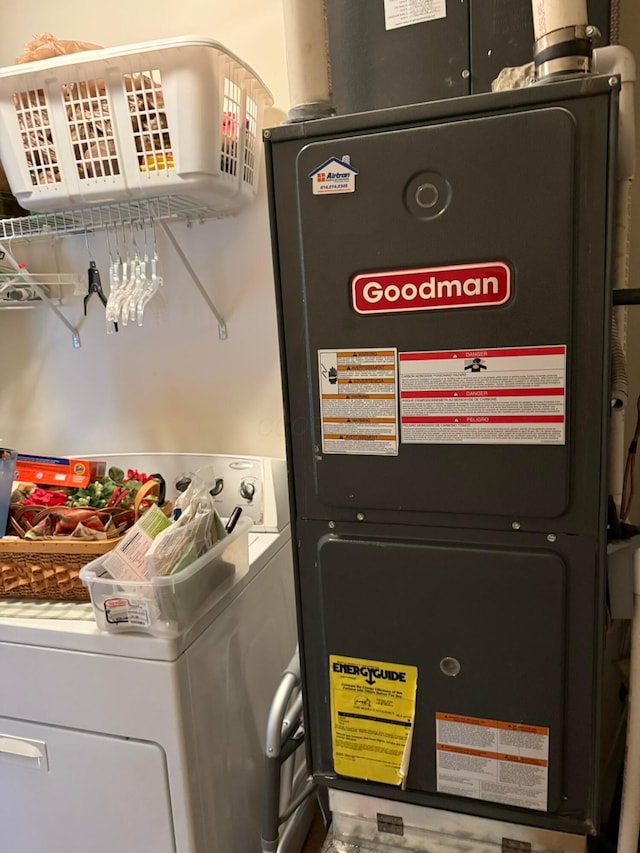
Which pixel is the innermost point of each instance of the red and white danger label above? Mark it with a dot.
(513, 395)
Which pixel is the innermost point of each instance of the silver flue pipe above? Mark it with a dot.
(307, 59)
(563, 38)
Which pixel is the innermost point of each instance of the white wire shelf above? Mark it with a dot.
(85, 220)
(88, 219)
(16, 292)
(27, 305)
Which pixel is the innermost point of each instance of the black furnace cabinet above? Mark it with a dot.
(442, 276)
(459, 51)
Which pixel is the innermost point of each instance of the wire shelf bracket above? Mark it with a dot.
(222, 326)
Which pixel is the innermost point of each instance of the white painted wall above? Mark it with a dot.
(171, 385)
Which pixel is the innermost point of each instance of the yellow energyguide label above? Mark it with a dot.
(373, 707)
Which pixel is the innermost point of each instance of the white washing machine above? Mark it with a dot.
(132, 743)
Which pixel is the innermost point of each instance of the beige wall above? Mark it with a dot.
(171, 385)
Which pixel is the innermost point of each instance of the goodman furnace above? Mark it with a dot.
(443, 287)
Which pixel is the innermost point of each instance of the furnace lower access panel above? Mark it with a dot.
(443, 292)
(486, 621)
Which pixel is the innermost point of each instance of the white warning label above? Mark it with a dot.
(403, 13)
(513, 395)
(493, 760)
(359, 401)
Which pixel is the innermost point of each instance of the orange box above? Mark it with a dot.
(53, 471)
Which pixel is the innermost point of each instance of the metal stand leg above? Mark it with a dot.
(293, 808)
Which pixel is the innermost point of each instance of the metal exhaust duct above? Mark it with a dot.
(307, 59)
(563, 38)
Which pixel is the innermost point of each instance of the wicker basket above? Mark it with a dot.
(49, 568)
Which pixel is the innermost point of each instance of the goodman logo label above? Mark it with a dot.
(432, 288)
(371, 674)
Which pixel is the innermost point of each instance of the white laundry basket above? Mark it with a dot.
(180, 116)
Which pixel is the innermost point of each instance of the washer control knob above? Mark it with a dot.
(217, 487)
(247, 490)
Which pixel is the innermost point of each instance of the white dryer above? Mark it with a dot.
(133, 743)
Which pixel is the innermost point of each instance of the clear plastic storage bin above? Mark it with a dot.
(180, 116)
(168, 606)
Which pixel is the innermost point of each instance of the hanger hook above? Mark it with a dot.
(145, 228)
(86, 240)
(133, 236)
(109, 249)
(10, 252)
(155, 237)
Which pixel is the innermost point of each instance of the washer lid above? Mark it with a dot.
(83, 635)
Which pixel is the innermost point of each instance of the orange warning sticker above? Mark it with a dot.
(499, 756)
(359, 401)
(352, 396)
(352, 357)
(493, 760)
(493, 724)
(359, 420)
(348, 368)
(347, 437)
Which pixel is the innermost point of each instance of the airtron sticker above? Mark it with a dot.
(432, 288)
(335, 175)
